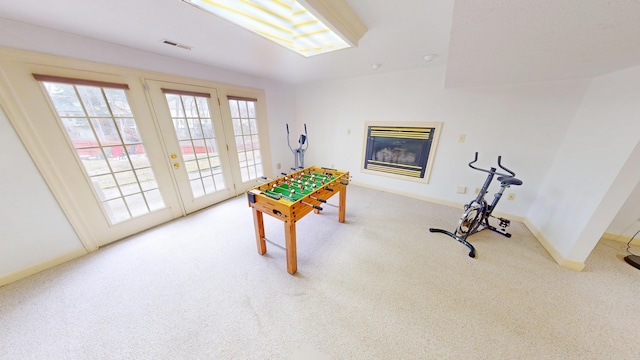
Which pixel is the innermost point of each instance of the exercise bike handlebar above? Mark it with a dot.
(492, 170)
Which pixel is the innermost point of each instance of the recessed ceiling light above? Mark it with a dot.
(429, 57)
(376, 66)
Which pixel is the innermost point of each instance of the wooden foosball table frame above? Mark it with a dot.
(263, 201)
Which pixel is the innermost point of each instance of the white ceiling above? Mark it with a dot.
(482, 42)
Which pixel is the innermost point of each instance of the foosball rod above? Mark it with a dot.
(313, 206)
(279, 196)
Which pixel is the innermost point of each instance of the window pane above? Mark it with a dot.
(93, 100)
(106, 130)
(207, 128)
(247, 143)
(200, 148)
(180, 126)
(196, 188)
(119, 162)
(64, 99)
(205, 167)
(190, 108)
(175, 106)
(129, 131)
(93, 161)
(136, 204)
(195, 129)
(245, 174)
(154, 199)
(117, 210)
(246, 128)
(233, 105)
(105, 187)
(118, 103)
(203, 107)
(146, 179)
(209, 187)
(80, 132)
(242, 105)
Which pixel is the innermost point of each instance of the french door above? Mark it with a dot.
(213, 140)
(122, 153)
(190, 122)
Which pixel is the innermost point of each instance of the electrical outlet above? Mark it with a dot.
(462, 190)
(511, 197)
(278, 166)
(477, 191)
(462, 137)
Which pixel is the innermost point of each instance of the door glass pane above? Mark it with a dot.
(245, 128)
(101, 127)
(194, 130)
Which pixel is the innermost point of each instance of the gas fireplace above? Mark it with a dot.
(402, 150)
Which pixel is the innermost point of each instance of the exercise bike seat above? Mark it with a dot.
(507, 180)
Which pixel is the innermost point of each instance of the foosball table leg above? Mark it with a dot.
(342, 205)
(259, 226)
(290, 241)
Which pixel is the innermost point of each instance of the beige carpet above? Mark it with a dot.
(379, 286)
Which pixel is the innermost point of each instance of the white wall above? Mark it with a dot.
(594, 171)
(627, 222)
(35, 232)
(34, 228)
(525, 124)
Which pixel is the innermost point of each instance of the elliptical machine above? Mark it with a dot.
(298, 153)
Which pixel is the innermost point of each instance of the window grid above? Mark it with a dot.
(245, 128)
(194, 129)
(101, 128)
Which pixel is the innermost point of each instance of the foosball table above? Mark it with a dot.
(292, 196)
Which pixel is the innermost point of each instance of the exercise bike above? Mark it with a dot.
(477, 212)
(298, 153)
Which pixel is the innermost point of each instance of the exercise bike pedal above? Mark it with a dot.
(504, 223)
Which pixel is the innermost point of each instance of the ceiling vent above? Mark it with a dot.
(175, 44)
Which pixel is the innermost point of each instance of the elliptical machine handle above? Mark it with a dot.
(287, 129)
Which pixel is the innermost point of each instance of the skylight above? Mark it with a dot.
(285, 22)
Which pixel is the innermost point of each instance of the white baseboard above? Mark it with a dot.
(410, 195)
(555, 254)
(435, 201)
(620, 238)
(34, 269)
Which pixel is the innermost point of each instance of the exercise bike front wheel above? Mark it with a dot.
(469, 221)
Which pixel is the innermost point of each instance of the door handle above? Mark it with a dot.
(175, 165)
